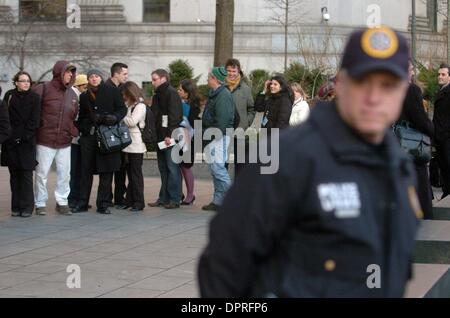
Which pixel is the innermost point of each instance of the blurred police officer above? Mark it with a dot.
(339, 217)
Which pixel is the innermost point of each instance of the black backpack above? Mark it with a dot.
(148, 133)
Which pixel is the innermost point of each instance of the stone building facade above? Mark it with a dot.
(148, 34)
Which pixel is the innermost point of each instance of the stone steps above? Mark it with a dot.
(431, 271)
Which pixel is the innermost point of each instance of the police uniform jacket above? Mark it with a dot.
(338, 219)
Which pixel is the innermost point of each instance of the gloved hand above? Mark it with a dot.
(109, 120)
(98, 119)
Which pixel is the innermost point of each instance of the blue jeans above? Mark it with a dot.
(216, 155)
(170, 191)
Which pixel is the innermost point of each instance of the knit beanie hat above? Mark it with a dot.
(94, 71)
(220, 73)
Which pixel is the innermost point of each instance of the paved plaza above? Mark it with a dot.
(150, 254)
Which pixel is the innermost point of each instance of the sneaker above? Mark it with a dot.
(41, 211)
(63, 209)
(15, 214)
(211, 207)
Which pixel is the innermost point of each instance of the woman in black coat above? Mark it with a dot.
(5, 127)
(276, 102)
(99, 105)
(415, 114)
(19, 151)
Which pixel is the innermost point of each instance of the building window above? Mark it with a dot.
(156, 10)
(43, 10)
(432, 10)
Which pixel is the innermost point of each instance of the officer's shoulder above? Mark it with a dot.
(303, 138)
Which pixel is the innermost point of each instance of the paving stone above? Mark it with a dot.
(424, 277)
(155, 261)
(31, 289)
(160, 282)
(58, 249)
(80, 257)
(132, 293)
(12, 278)
(184, 291)
(110, 247)
(25, 259)
(46, 267)
(7, 268)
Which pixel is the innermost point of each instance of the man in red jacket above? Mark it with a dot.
(58, 114)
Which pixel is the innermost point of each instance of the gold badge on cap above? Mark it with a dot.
(379, 43)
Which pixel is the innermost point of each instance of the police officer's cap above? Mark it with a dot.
(376, 49)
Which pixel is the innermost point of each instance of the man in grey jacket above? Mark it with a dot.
(219, 113)
(243, 99)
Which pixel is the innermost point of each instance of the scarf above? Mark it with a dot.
(92, 90)
(232, 85)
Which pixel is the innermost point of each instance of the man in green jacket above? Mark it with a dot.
(218, 114)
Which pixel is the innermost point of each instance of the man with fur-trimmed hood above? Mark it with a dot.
(59, 110)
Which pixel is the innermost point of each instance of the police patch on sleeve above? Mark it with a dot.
(379, 43)
(341, 198)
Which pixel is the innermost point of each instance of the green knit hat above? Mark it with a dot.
(220, 73)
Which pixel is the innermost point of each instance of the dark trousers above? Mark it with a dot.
(170, 191)
(104, 189)
(424, 191)
(22, 196)
(103, 192)
(135, 190)
(443, 151)
(88, 160)
(120, 187)
(239, 166)
(75, 175)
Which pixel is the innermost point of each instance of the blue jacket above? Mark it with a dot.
(219, 111)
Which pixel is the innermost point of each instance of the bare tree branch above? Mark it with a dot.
(285, 13)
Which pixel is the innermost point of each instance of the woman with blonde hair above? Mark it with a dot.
(300, 109)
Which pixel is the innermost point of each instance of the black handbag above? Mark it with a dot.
(415, 143)
(113, 138)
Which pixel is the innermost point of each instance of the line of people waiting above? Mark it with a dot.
(56, 122)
